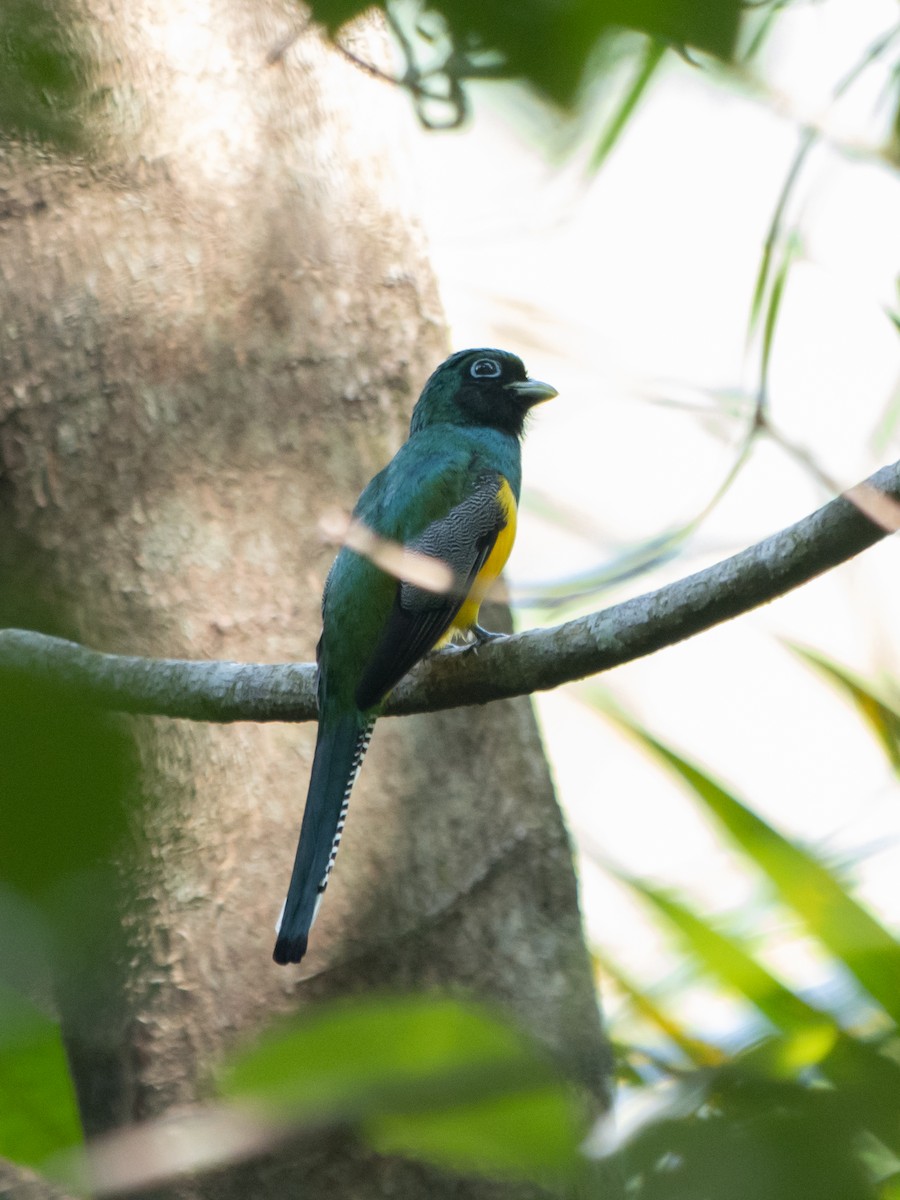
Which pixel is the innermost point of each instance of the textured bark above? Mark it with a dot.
(209, 334)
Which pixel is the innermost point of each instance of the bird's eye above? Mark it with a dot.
(485, 368)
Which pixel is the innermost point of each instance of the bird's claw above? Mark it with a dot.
(480, 637)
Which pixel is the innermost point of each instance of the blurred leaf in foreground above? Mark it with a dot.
(812, 1111)
(730, 961)
(65, 770)
(695, 1051)
(881, 712)
(65, 773)
(735, 1135)
(44, 72)
(843, 926)
(426, 1078)
(549, 43)
(38, 1110)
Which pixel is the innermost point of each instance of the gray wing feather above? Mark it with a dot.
(457, 539)
(419, 618)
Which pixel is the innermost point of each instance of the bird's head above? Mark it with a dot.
(480, 387)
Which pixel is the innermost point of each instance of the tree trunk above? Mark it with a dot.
(211, 333)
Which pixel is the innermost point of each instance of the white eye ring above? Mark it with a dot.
(485, 368)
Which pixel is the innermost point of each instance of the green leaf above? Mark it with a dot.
(429, 1078)
(762, 31)
(44, 72)
(549, 42)
(340, 1056)
(842, 925)
(791, 250)
(700, 1053)
(572, 592)
(727, 958)
(647, 65)
(747, 1138)
(808, 139)
(527, 1134)
(788, 1055)
(881, 714)
(888, 423)
(38, 1110)
(66, 772)
(868, 1081)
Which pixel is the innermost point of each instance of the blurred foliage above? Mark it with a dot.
(65, 773)
(810, 1106)
(43, 74)
(45, 68)
(879, 705)
(426, 1078)
(649, 57)
(64, 770)
(782, 242)
(747, 407)
(549, 45)
(38, 1112)
(733, 1134)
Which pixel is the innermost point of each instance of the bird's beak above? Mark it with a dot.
(532, 391)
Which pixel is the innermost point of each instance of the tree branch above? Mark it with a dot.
(525, 662)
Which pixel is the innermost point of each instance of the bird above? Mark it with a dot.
(449, 496)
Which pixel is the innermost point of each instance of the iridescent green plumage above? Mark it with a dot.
(450, 494)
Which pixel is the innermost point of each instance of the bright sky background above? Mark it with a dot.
(631, 290)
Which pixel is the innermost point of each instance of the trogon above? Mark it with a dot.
(449, 493)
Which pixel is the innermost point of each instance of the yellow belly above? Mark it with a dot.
(468, 614)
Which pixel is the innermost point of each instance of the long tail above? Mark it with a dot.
(340, 748)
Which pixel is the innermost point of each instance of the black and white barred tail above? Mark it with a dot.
(340, 749)
(362, 746)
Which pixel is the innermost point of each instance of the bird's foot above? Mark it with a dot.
(477, 637)
(480, 637)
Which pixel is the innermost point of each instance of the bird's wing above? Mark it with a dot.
(463, 538)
